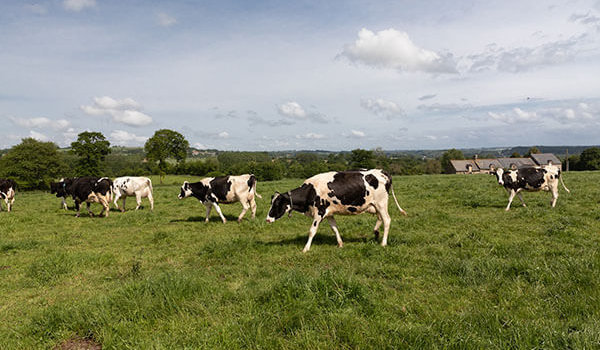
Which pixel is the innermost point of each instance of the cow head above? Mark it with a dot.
(186, 190)
(499, 174)
(102, 186)
(280, 204)
(60, 189)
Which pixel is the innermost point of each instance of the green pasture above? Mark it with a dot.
(459, 272)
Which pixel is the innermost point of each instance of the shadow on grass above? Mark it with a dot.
(212, 218)
(320, 239)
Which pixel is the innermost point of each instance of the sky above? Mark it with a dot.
(302, 75)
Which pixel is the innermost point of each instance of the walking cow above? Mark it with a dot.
(7, 192)
(126, 186)
(223, 189)
(544, 178)
(62, 185)
(88, 189)
(345, 193)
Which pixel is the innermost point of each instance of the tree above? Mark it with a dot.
(451, 154)
(361, 158)
(515, 155)
(590, 159)
(532, 150)
(33, 164)
(91, 148)
(165, 144)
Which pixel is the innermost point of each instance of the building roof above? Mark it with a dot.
(484, 164)
(544, 158)
(507, 163)
(461, 165)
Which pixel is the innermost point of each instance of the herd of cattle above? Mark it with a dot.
(320, 197)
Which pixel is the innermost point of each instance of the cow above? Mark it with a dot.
(538, 178)
(65, 183)
(7, 192)
(88, 189)
(346, 193)
(127, 186)
(223, 189)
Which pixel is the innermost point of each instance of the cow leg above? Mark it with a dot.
(8, 204)
(253, 207)
(334, 227)
(377, 225)
(311, 233)
(124, 200)
(151, 199)
(208, 208)
(88, 209)
(138, 200)
(116, 199)
(77, 207)
(385, 217)
(245, 207)
(12, 201)
(521, 199)
(216, 205)
(510, 199)
(554, 195)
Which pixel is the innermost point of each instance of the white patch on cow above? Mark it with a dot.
(513, 175)
(500, 173)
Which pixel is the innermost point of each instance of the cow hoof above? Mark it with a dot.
(122, 210)
(239, 221)
(304, 250)
(224, 221)
(340, 245)
(376, 233)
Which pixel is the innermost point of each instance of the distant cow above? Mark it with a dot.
(63, 184)
(128, 186)
(88, 189)
(344, 193)
(544, 178)
(223, 189)
(7, 192)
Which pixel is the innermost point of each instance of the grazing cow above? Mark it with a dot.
(88, 189)
(223, 189)
(63, 183)
(539, 178)
(7, 192)
(127, 186)
(345, 193)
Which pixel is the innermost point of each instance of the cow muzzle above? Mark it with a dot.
(270, 220)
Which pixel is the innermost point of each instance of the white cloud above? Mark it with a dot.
(199, 145)
(310, 136)
(357, 133)
(295, 111)
(224, 135)
(381, 107)
(517, 115)
(41, 122)
(38, 136)
(122, 137)
(126, 111)
(164, 20)
(391, 48)
(78, 5)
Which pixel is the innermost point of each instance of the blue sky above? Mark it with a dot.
(279, 75)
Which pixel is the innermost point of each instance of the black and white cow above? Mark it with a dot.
(129, 186)
(223, 189)
(89, 189)
(345, 193)
(544, 178)
(7, 192)
(63, 183)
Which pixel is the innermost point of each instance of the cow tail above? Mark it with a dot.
(398, 205)
(150, 185)
(563, 184)
(253, 187)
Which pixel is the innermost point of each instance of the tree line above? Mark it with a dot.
(34, 164)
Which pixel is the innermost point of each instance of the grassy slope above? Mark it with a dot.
(459, 272)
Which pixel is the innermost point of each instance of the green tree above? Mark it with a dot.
(361, 158)
(590, 159)
(33, 164)
(515, 155)
(532, 150)
(451, 154)
(91, 148)
(165, 144)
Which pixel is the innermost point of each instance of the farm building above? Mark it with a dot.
(483, 166)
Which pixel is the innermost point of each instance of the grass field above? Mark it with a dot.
(459, 272)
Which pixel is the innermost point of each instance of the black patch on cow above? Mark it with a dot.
(321, 204)
(102, 186)
(372, 180)
(331, 195)
(352, 209)
(348, 187)
(251, 182)
(302, 198)
(335, 202)
(315, 223)
(199, 191)
(527, 177)
(388, 183)
(220, 186)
